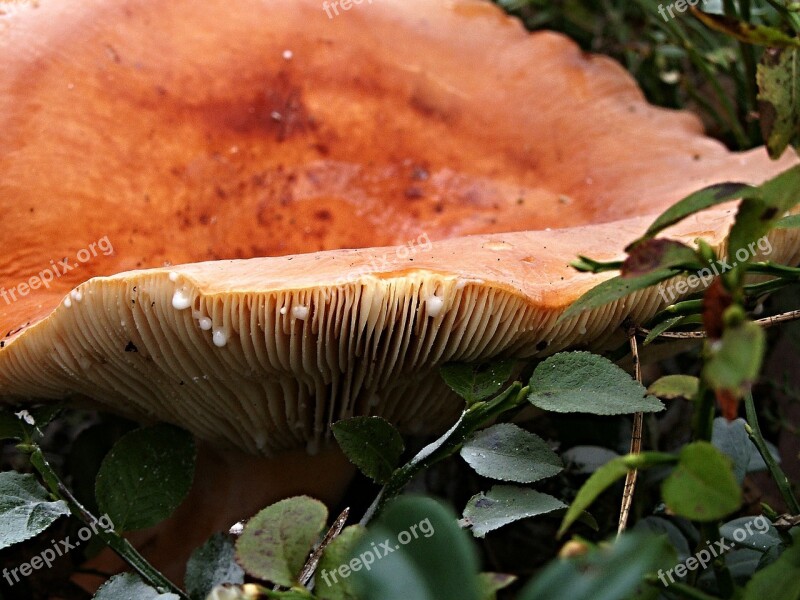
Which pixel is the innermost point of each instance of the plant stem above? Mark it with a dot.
(111, 538)
(724, 579)
(636, 440)
(447, 444)
(754, 431)
(704, 417)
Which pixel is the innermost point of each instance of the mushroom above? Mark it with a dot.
(465, 160)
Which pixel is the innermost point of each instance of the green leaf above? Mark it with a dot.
(661, 327)
(128, 586)
(789, 222)
(754, 220)
(655, 254)
(608, 572)
(614, 289)
(276, 542)
(212, 564)
(26, 508)
(731, 438)
(145, 476)
(504, 504)
(22, 425)
(338, 553)
(782, 192)
(778, 79)
(604, 477)
(672, 387)
(491, 583)
(509, 453)
(761, 535)
(475, 382)
(12, 427)
(416, 550)
(735, 359)
(372, 444)
(587, 459)
(775, 582)
(587, 383)
(702, 487)
(697, 201)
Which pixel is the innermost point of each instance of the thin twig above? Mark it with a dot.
(636, 440)
(313, 560)
(766, 322)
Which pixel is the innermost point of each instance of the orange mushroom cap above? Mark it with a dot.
(178, 132)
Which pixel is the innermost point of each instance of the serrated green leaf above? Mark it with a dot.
(707, 197)
(127, 586)
(604, 477)
(276, 542)
(778, 77)
(614, 289)
(491, 583)
(504, 504)
(26, 508)
(437, 561)
(735, 360)
(702, 486)
(372, 444)
(475, 382)
(507, 452)
(608, 572)
(210, 565)
(338, 552)
(587, 383)
(145, 476)
(672, 387)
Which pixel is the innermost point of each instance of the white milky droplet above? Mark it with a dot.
(181, 300)
(433, 306)
(173, 276)
(300, 312)
(204, 323)
(219, 337)
(67, 302)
